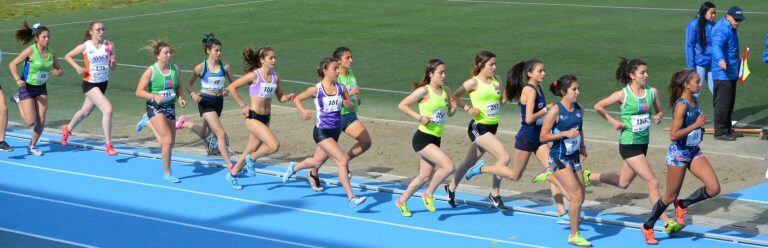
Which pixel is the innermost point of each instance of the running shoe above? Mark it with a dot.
(142, 123)
(171, 179)
(110, 150)
(356, 201)
(475, 170)
(564, 219)
(180, 122)
(403, 208)
(451, 196)
(578, 240)
(34, 151)
(497, 202)
(5, 147)
(16, 98)
(429, 202)
(585, 174)
(680, 212)
(65, 133)
(250, 166)
(288, 172)
(314, 182)
(232, 180)
(648, 235)
(672, 227)
(542, 177)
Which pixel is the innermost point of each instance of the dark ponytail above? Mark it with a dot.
(560, 86)
(26, 34)
(208, 41)
(480, 60)
(702, 24)
(627, 67)
(515, 77)
(252, 58)
(432, 65)
(677, 85)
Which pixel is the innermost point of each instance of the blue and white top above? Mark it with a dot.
(691, 114)
(213, 81)
(328, 107)
(567, 148)
(531, 132)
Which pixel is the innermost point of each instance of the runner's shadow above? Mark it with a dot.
(203, 171)
(746, 112)
(380, 199)
(478, 210)
(745, 227)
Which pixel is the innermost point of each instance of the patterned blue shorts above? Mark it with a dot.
(682, 155)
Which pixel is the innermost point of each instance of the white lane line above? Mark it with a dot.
(156, 219)
(271, 205)
(592, 6)
(38, 236)
(745, 199)
(31, 3)
(150, 14)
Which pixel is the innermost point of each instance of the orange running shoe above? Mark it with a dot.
(648, 235)
(65, 133)
(110, 149)
(680, 213)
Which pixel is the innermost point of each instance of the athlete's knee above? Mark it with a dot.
(272, 147)
(107, 111)
(503, 159)
(713, 190)
(365, 143)
(623, 185)
(449, 167)
(166, 140)
(30, 123)
(653, 183)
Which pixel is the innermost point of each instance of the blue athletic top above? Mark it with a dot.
(567, 148)
(212, 81)
(691, 114)
(531, 132)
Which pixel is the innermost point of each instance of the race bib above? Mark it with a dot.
(438, 117)
(332, 104)
(641, 122)
(572, 145)
(267, 90)
(168, 95)
(42, 76)
(693, 138)
(492, 109)
(214, 83)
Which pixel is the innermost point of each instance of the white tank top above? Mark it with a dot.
(97, 61)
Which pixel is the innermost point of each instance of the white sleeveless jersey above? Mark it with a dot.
(97, 61)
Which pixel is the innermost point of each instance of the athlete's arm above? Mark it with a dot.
(195, 74)
(415, 96)
(530, 104)
(600, 106)
(232, 89)
(546, 134)
(466, 87)
(141, 89)
(179, 96)
(56, 67)
(309, 92)
(280, 95)
(24, 55)
(657, 106)
(69, 58)
(452, 104)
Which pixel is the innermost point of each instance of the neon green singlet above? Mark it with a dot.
(436, 108)
(39, 69)
(164, 85)
(486, 98)
(635, 114)
(350, 81)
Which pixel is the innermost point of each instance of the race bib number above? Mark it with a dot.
(214, 83)
(641, 122)
(42, 76)
(438, 117)
(492, 109)
(168, 95)
(267, 90)
(332, 104)
(99, 73)
(572, 145)
(694, 138)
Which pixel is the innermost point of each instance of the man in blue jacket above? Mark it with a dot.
(725, 70)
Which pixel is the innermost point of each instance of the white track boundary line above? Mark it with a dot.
(270, 205)
(156, 219)
(745, 199)
(31, 3)
(151, 14)
(453, 126)
(589, 6)
(38, 236)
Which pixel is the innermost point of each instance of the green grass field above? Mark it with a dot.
(391, 41)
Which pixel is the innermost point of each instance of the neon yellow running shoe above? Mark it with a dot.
(578, 240)
(672, 227)
(403, 208)
(429, 202)
(542, 177)
(585, 174)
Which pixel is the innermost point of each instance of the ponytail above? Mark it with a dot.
(252, 59)
(677, 85)
(208, 41)
(515, 77)
(26, 34)
(561, 85)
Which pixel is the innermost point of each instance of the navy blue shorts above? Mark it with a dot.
(324, 134)
(32, 91)
(348, 119)
(523, 144)
(168, 111)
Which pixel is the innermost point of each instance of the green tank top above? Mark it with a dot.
(635, 114)
(350, 81)
(164, 85)
(38, 71)
(436, 108)
(486, 98)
